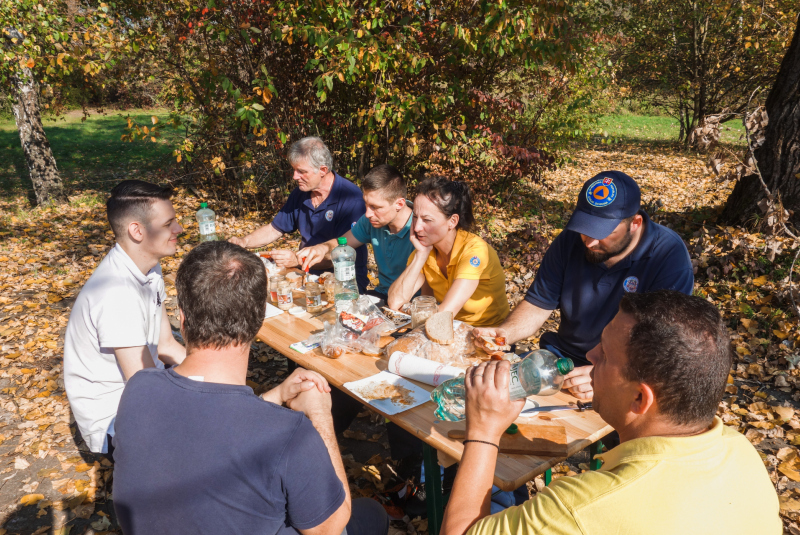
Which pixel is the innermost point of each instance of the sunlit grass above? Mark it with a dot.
(90, 153)
(629, 127)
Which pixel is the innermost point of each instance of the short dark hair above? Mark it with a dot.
(681, 348)
(451, 197)
(222, 293)
(131, 200)
(387, 180)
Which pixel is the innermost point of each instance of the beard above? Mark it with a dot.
(596, 257)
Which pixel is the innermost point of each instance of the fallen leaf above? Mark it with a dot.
(31, 499)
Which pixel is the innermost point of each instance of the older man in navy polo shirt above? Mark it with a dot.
(609, 247)
(322, 207)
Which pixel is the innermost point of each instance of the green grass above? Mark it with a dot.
(89, 154)
(629, 127)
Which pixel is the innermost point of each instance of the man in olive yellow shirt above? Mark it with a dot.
(659, 373)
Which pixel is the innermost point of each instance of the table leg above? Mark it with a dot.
(548, 477)
(595, 449)
(433, 489)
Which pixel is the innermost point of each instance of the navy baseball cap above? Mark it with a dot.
(605, 200)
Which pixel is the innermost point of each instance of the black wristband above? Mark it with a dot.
(484, 442)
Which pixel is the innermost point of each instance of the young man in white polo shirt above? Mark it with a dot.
(118, 324)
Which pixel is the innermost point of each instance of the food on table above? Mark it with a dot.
(394, 393)
(422, 308)
(493, 346)
(398, 318)
(333, 352)
(417, 343)
(295, 279)
(285, 300)
(355, 322)
(272, 287)
(313, 297)
(439, 328)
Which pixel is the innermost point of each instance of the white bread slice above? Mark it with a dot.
(439, 328)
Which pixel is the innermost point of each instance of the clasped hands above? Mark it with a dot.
(303, 391)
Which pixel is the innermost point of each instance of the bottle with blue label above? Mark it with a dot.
(539, 373)
(343, 258)
(206, 220)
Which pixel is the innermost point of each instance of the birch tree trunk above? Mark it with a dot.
(47, 183)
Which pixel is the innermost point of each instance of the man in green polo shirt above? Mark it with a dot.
(386, 225)
(659, 374)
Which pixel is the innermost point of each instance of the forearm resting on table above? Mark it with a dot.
(262, 236)
(524, 321)
(471, 496)
(403, 289)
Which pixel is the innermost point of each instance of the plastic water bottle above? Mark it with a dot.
(539, 373)
(344, 268)
(206, 220)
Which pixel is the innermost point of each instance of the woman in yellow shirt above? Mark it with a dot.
(451, 263)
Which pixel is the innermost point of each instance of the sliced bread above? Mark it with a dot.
(439, 328)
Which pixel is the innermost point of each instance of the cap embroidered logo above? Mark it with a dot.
(601, 193)
(475, 261)
(631, 284)
(329, 215)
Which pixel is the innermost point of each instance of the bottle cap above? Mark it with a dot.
(565, 366)
(342, 241)
(203, 205)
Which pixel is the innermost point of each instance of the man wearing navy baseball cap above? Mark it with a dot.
(609, 247)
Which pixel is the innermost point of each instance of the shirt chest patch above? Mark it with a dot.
(631, 284)
(329, 215)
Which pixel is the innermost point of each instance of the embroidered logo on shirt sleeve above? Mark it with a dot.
(475, 261)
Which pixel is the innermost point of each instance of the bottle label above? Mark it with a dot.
(285, 299)
(515, 389)
(344, 273)
(313, 301)
(207, 227)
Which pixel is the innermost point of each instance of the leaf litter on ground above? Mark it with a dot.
(47, 254)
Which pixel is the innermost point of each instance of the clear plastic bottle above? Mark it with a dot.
(539, 373)
(206, 220)
(344, 268)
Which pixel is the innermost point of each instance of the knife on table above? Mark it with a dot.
(581, 407)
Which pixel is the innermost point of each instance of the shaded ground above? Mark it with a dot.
(49, 484)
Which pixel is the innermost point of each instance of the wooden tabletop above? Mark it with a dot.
(583, 428)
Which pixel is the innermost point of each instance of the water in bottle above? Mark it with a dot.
(539, 373)
(344, 268)
(206, 220)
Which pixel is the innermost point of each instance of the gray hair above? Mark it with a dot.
(311, 150)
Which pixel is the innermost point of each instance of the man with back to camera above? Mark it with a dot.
(609, 248)
(118, 323)
(660, 371)
(386, 225)
(221, 459)
(322, 207)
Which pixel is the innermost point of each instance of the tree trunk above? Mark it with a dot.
(47, 183)
(779, 157)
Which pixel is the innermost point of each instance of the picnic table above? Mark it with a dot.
(583, 429)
